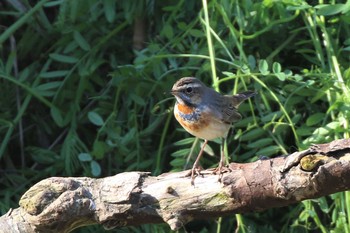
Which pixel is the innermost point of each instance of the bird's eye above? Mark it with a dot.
(189, 89)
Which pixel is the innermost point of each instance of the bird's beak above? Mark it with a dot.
(172, 92)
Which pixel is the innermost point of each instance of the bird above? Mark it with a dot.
(206, 114)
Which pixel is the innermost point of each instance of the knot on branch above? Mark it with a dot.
(47, 193)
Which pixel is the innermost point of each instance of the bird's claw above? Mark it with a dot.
(221, 169)
(194, 172)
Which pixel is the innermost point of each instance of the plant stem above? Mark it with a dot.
(210, 44)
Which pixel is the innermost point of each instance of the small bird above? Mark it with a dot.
(206, 114)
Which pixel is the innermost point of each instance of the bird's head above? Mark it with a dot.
(188, 90)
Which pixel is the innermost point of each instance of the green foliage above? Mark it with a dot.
(78, 100)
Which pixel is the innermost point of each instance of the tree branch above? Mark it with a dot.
(133, 198)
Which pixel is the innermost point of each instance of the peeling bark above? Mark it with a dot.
(133, 198)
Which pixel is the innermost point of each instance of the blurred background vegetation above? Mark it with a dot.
(85, 92)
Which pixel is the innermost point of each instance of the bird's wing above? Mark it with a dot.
(229, 112)
(222, 109)
(231, 103)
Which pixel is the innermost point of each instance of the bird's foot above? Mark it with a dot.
(221, 169)
(194, 172)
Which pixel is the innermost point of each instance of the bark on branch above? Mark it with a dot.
(61, 204)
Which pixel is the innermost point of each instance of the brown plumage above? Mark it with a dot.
(205, 113)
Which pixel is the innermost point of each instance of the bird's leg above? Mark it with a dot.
(195, 169)
(221, 167)
(222, 158)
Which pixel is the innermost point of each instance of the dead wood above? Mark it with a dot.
(60, 204)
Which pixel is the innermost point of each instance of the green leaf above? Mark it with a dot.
(253, 134)
(181, 153)
(146, 164)
(312, 213)
(178, 162)
(327, 9)
(130, 157)
(109, 10)
(276, 67)
(10, 61)
(137, 99)
(272, 116)
(334, 125)
(245, 122)
(263, 67)
(48, 86)
(95, 118)
(185, 141)
(315, 119)
(24, 75)
(47, 93)
(83, 44)
(268, 151)
(314, 138)
(95, 168)
(322, 202)
(54, 74)
(298, 77)
(57, 116)
(85, 157)
(152, 127)
(346, 48)
(304, 131)
(251, 62)
(43, 156)
(196, 33)
(281, 76)
(303, 216)
(53, 3)
(63, 58)
(280, 127)
(168, 31)
(71, 47)
(208, 150)
(129, 136)
(288, 72)
(296, 118)
(260, 143)
(182, 25)
(321, 131)
(228, 74)
(245, 69)
(99, 149)
(303, 6)
(169, 8)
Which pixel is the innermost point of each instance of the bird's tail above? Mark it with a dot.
(240, 97)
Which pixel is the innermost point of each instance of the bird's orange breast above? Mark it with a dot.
(184, 109)
(188, 117)
(199, 123)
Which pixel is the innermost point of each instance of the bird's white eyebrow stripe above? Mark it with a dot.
(191, 84)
